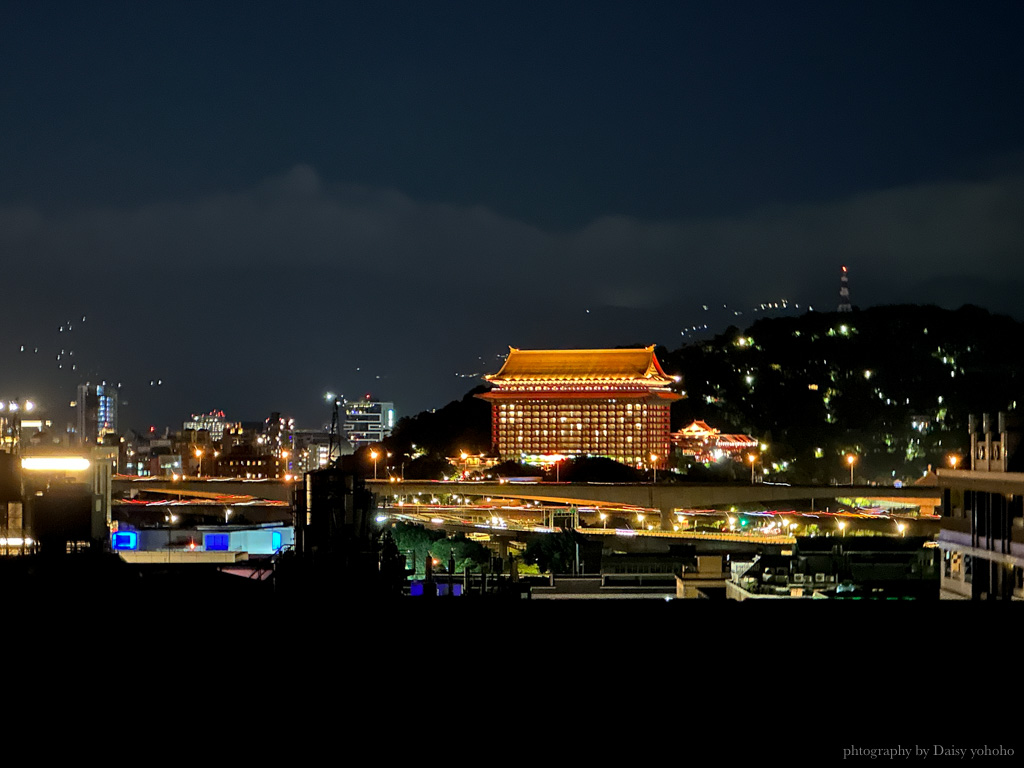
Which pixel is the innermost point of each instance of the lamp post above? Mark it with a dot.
(604, 519)
(374, 455)
(654, 463)
(842, 528)
(751, 458)
(199, 462)
(953, 460)
(851, 459)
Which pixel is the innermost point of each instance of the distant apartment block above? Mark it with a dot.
(982, 527)
(312, 447)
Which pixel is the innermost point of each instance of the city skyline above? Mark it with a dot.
(252, 206)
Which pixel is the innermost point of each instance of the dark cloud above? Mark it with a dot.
(262, 298)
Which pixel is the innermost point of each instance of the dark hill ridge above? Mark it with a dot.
(894, 384)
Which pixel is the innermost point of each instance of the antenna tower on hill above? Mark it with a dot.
(844, 292)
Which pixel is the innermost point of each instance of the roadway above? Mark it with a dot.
(665, 498)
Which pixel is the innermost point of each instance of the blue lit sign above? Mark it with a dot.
(215, 542)
(125, 540)
(275, 540)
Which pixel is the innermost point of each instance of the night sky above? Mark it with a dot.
(252, 204)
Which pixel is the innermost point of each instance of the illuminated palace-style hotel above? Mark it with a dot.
(577, 402)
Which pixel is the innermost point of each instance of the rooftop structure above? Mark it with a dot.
(581, 402)
(862, 567)
(469, 463)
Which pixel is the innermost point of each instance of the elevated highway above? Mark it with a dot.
(228, 490)
(665, 498)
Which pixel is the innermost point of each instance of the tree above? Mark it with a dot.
(468, 553)
(424, 543)
(554, 552)
(513, 469)
(462, 425)
(429, 468)
(594, 469)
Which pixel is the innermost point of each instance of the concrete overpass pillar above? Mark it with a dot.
(501, 546)
(667, 519)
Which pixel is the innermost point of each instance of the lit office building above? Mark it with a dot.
(96, 408)
(582, 402)
(367, 421)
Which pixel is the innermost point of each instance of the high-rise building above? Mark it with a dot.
(367, 421)
(96, 408)
(213, 422)
(582, 402)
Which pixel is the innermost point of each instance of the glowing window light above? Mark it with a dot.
(54, 463)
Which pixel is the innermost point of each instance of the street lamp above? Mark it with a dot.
(374, 455)
(604, 519)
(842, 528)
(640, 519)
(199, 461)
(953, 460)
(751, 457)
(654, 463)
(851, 459)
(901, 528)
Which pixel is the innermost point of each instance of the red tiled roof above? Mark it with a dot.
(524, 365)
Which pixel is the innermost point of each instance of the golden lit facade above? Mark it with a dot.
(707, 444)
(582, 402)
